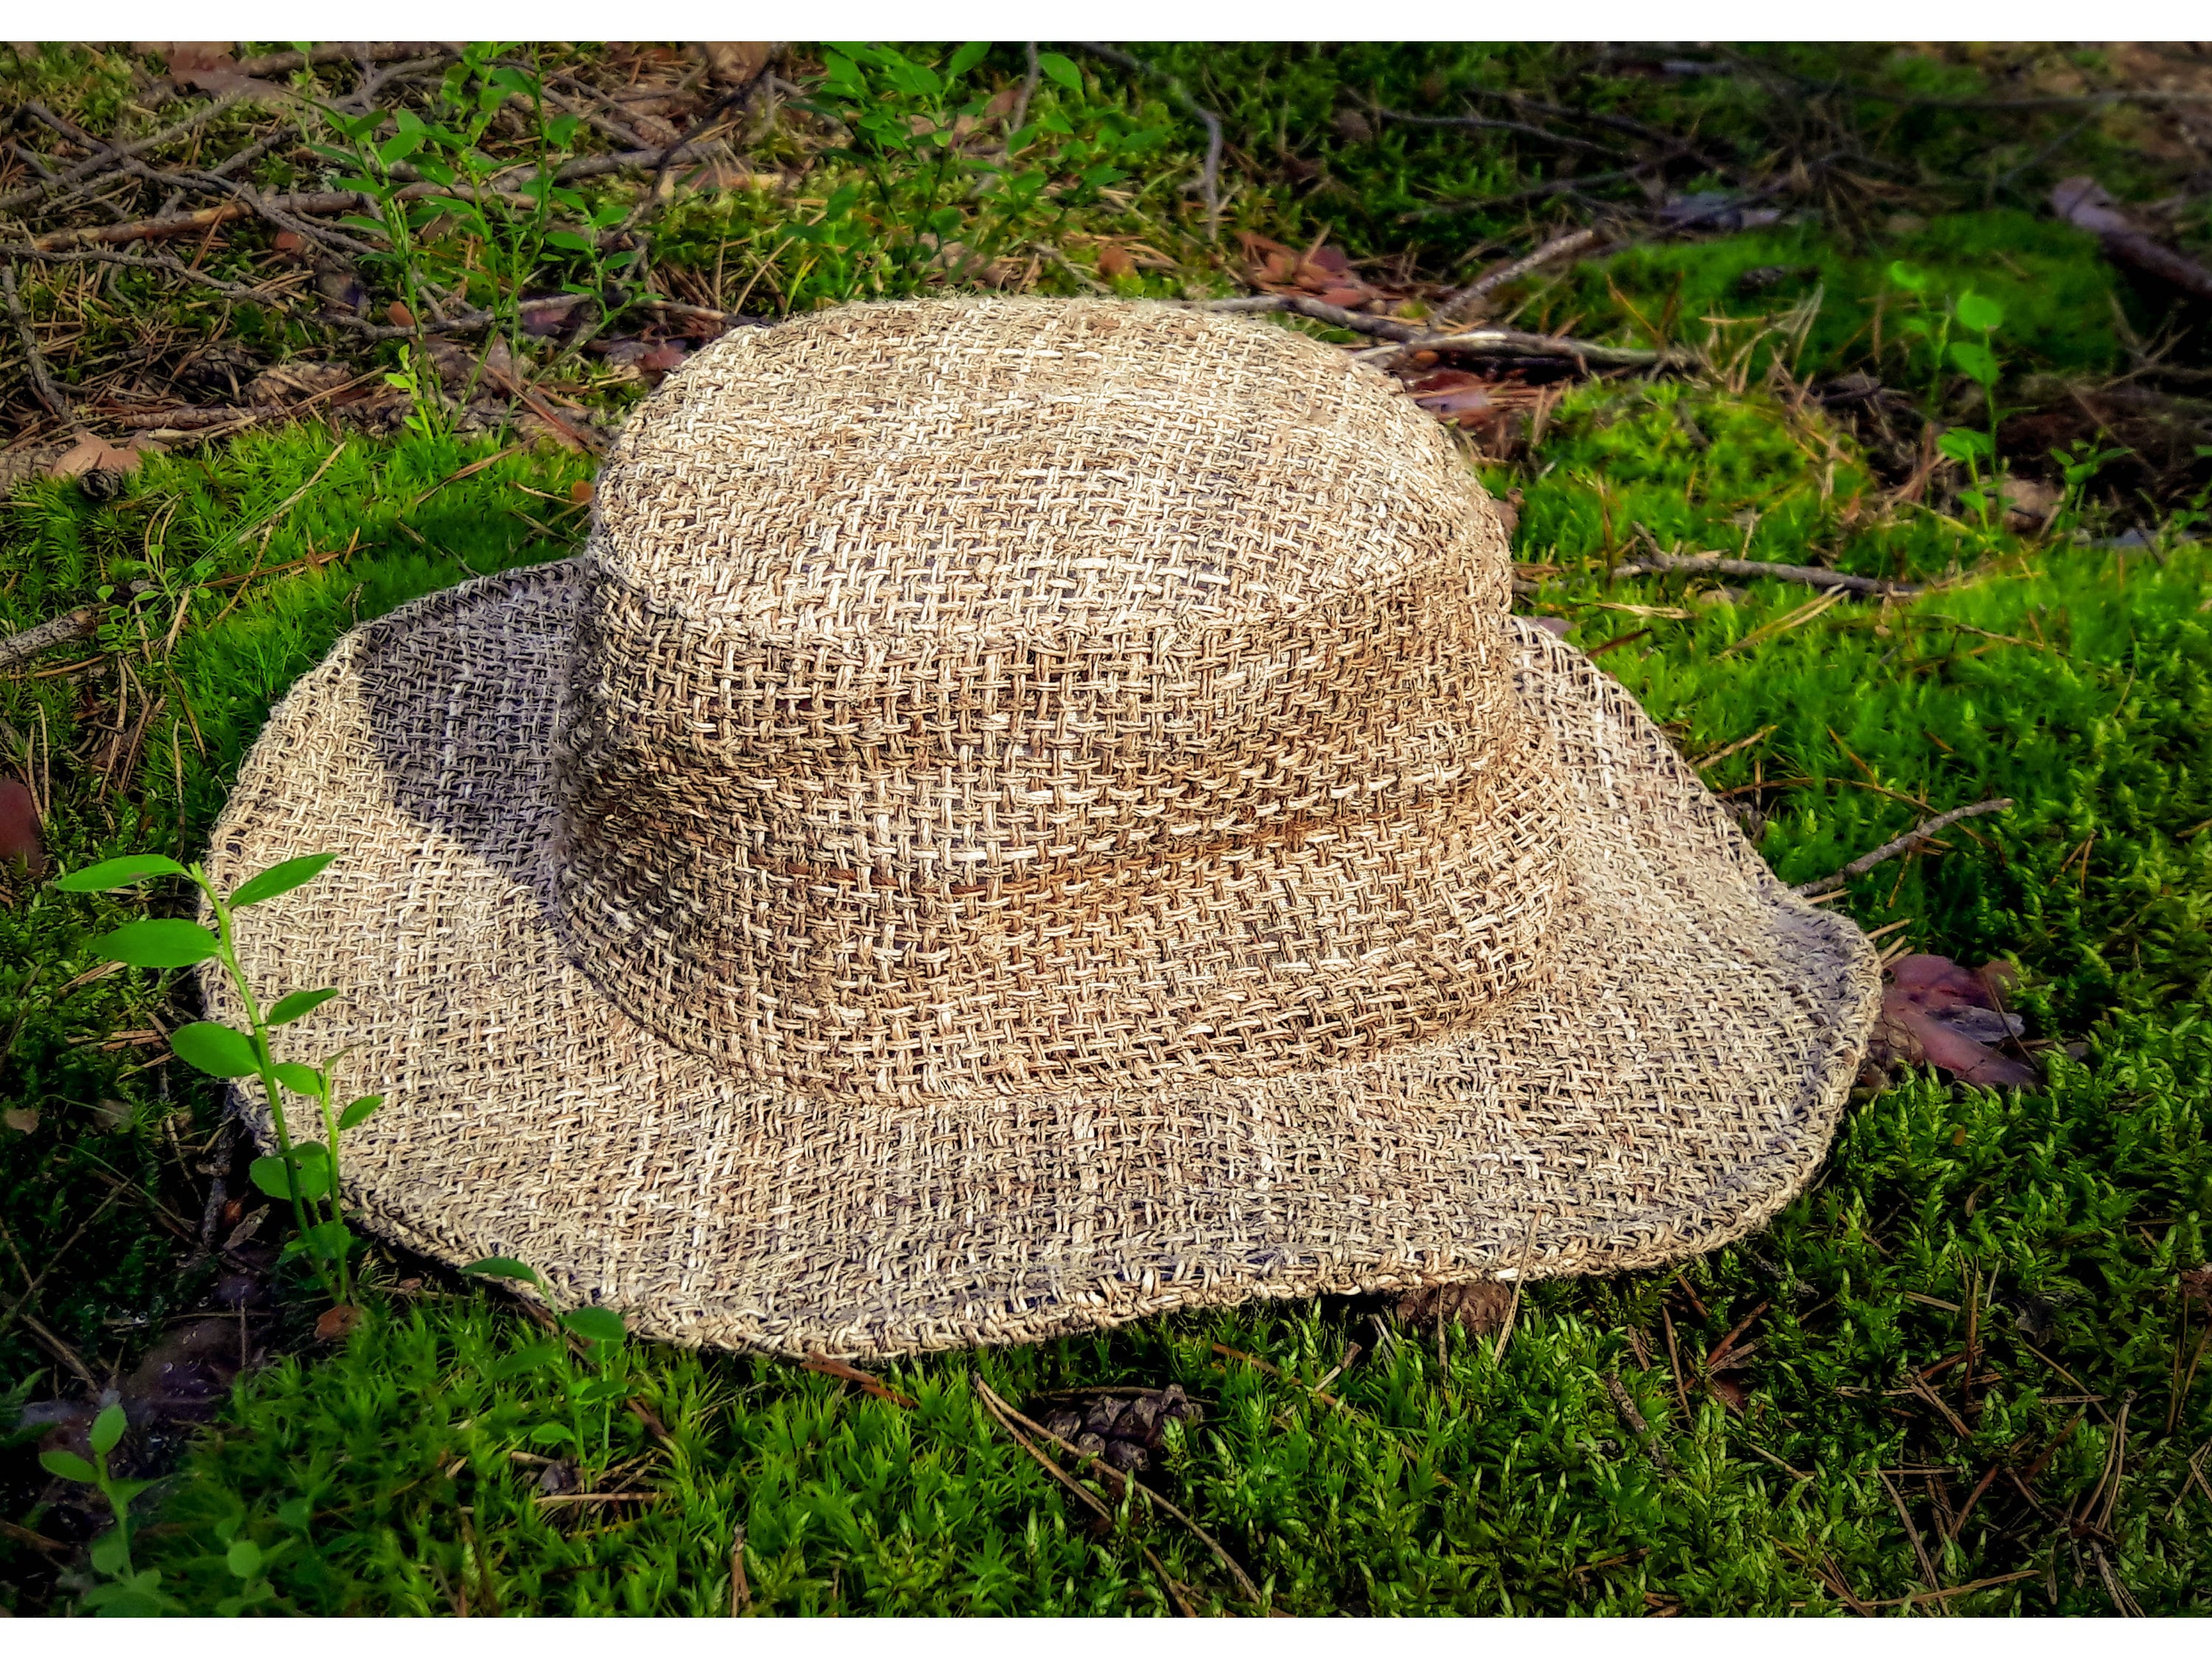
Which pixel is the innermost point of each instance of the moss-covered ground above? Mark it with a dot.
(1971, 1382)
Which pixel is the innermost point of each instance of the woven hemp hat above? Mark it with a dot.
(1027, 815)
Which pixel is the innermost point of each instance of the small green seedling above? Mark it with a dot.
(249, 1564)
(602, 1332)
(2077, 466)
(1976, 358)
(304, 1172)
(128, 1593)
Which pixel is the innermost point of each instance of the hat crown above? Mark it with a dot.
(995, 694)
(1006, 470)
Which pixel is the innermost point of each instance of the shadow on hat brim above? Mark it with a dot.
(1672, 1079)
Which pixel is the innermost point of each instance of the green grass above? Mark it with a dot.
(2073, 678)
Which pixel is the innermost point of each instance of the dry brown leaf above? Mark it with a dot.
(21, 843)
(209, 66)
(735, 63)
(1114, 260)
(21, 1119)
(337, 1322)
(1935, 1012)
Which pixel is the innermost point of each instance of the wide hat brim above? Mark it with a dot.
(1671, 1079)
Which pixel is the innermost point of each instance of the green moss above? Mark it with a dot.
(2077, 681)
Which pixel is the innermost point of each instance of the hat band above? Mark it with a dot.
(1307, 943)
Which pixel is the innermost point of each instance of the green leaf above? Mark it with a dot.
(243, 1559)
(300, 1079)
(109, 1554)
(68, 1466)
(360, 1111)
(966, 58)
(295, 1513)
(595, 1324)
(537, 1357)
(107, 877)
(1963, 444)
(107, 1429)
(161, 943)
(553, 1434)
(333, 1241)
(1980, 312)
(505, 1266)
(132, 1602)
(289, 1008)
(308, 1159)
(120, 1492)
(1976, 362)
(1909, 277)
(1061, 69)
(281, 879)
(215, 1049)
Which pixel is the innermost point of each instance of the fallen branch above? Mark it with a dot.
(1904, 842)
(41, 381)
(1448, 313)
(35, 642)
(1516, 342)
(1653, 564)
(323, 202)
(110, 155)
(2084, 203)
(1387, 328)
(162, 261)
(1406, 338)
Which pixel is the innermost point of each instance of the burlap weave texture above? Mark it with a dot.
(1026, 815)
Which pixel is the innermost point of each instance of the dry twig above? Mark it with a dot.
(1714, 564)
(1904, 843)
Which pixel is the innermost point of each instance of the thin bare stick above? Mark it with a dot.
(1020, 112)
(1387, 328)
(1919, 1549)
(741, 1593)
(1904, 843)
(1714, 564)
(109, 156)
(1627, 1407)
(1513, 1308)
(1457, 304)
(1518, 343)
